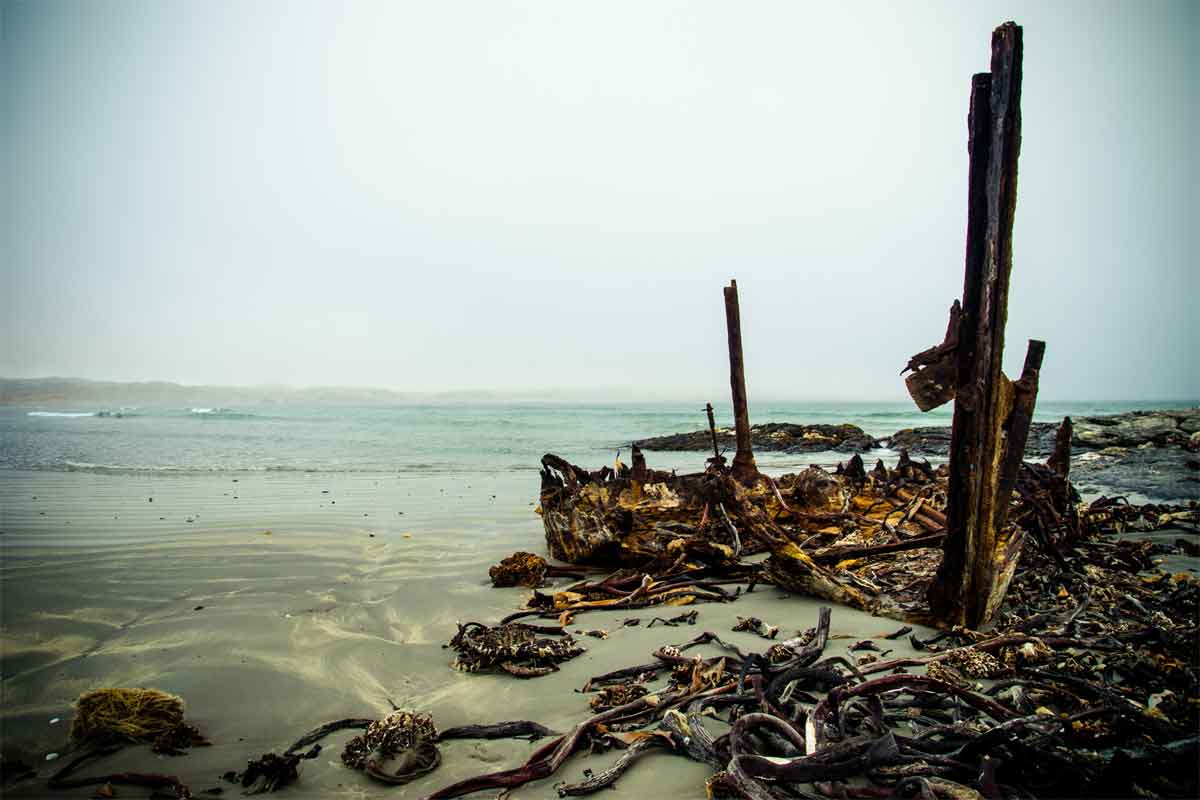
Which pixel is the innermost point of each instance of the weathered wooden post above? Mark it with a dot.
(1060, 459)
(1020, 418)
(744, 468)
(980, 552)
(717, 459)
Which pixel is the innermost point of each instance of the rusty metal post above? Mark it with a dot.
(716, 459)
(744, 468)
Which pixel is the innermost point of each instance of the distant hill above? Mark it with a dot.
(82, 394)
(79, 392)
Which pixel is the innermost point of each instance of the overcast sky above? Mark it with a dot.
(441, 195)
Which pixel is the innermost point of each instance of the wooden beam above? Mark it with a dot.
(1020, 418)
(1060, 459)
(744, 468)
(978, 553)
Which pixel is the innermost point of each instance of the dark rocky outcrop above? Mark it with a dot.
(780, 437)
(1148, 453)
(1169, 428)
(935, 440)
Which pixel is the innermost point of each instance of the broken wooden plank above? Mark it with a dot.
(932, 382)
(1017, 427)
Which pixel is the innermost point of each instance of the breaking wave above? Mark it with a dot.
(400, 469)
(222, 413)
(68, 414)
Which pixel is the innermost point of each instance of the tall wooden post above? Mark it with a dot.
(979, 553)
(744, 468)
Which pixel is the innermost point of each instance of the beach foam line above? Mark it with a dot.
(67, 414)
(218, 469)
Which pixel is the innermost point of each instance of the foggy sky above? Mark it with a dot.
(439, 196)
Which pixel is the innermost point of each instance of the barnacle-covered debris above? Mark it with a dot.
(514, 648)
(405, 737)
(519, 569)
(529, 569)
(618, 694)
(756, 625)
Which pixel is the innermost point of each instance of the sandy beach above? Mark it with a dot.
(290, 600)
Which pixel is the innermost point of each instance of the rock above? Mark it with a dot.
(1111, 435)
(1161, 474)
(1133, 429)
(935, 441)
(783, 437)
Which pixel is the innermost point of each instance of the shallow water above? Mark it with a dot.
(450, 438)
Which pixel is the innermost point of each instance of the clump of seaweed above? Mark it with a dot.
(513, 647)
(271, 772)
(115, 715)
(519, 569)
(404, 735)
(108, 719)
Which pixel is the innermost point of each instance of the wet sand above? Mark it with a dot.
(293, 599)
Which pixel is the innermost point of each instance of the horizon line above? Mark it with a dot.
(605, 393)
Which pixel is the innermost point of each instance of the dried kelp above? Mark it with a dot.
(271, 772)
(106, 720)
(756, 625)
(1050, 721)
(513, 648)
(109, 716)
(630, 589)
(528, 569)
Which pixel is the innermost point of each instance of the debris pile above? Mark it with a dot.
(1058, 702)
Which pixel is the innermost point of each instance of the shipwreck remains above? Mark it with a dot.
(946, 532)
(991, 414)
(1091, 665)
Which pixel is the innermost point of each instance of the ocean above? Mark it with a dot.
(444, 438)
